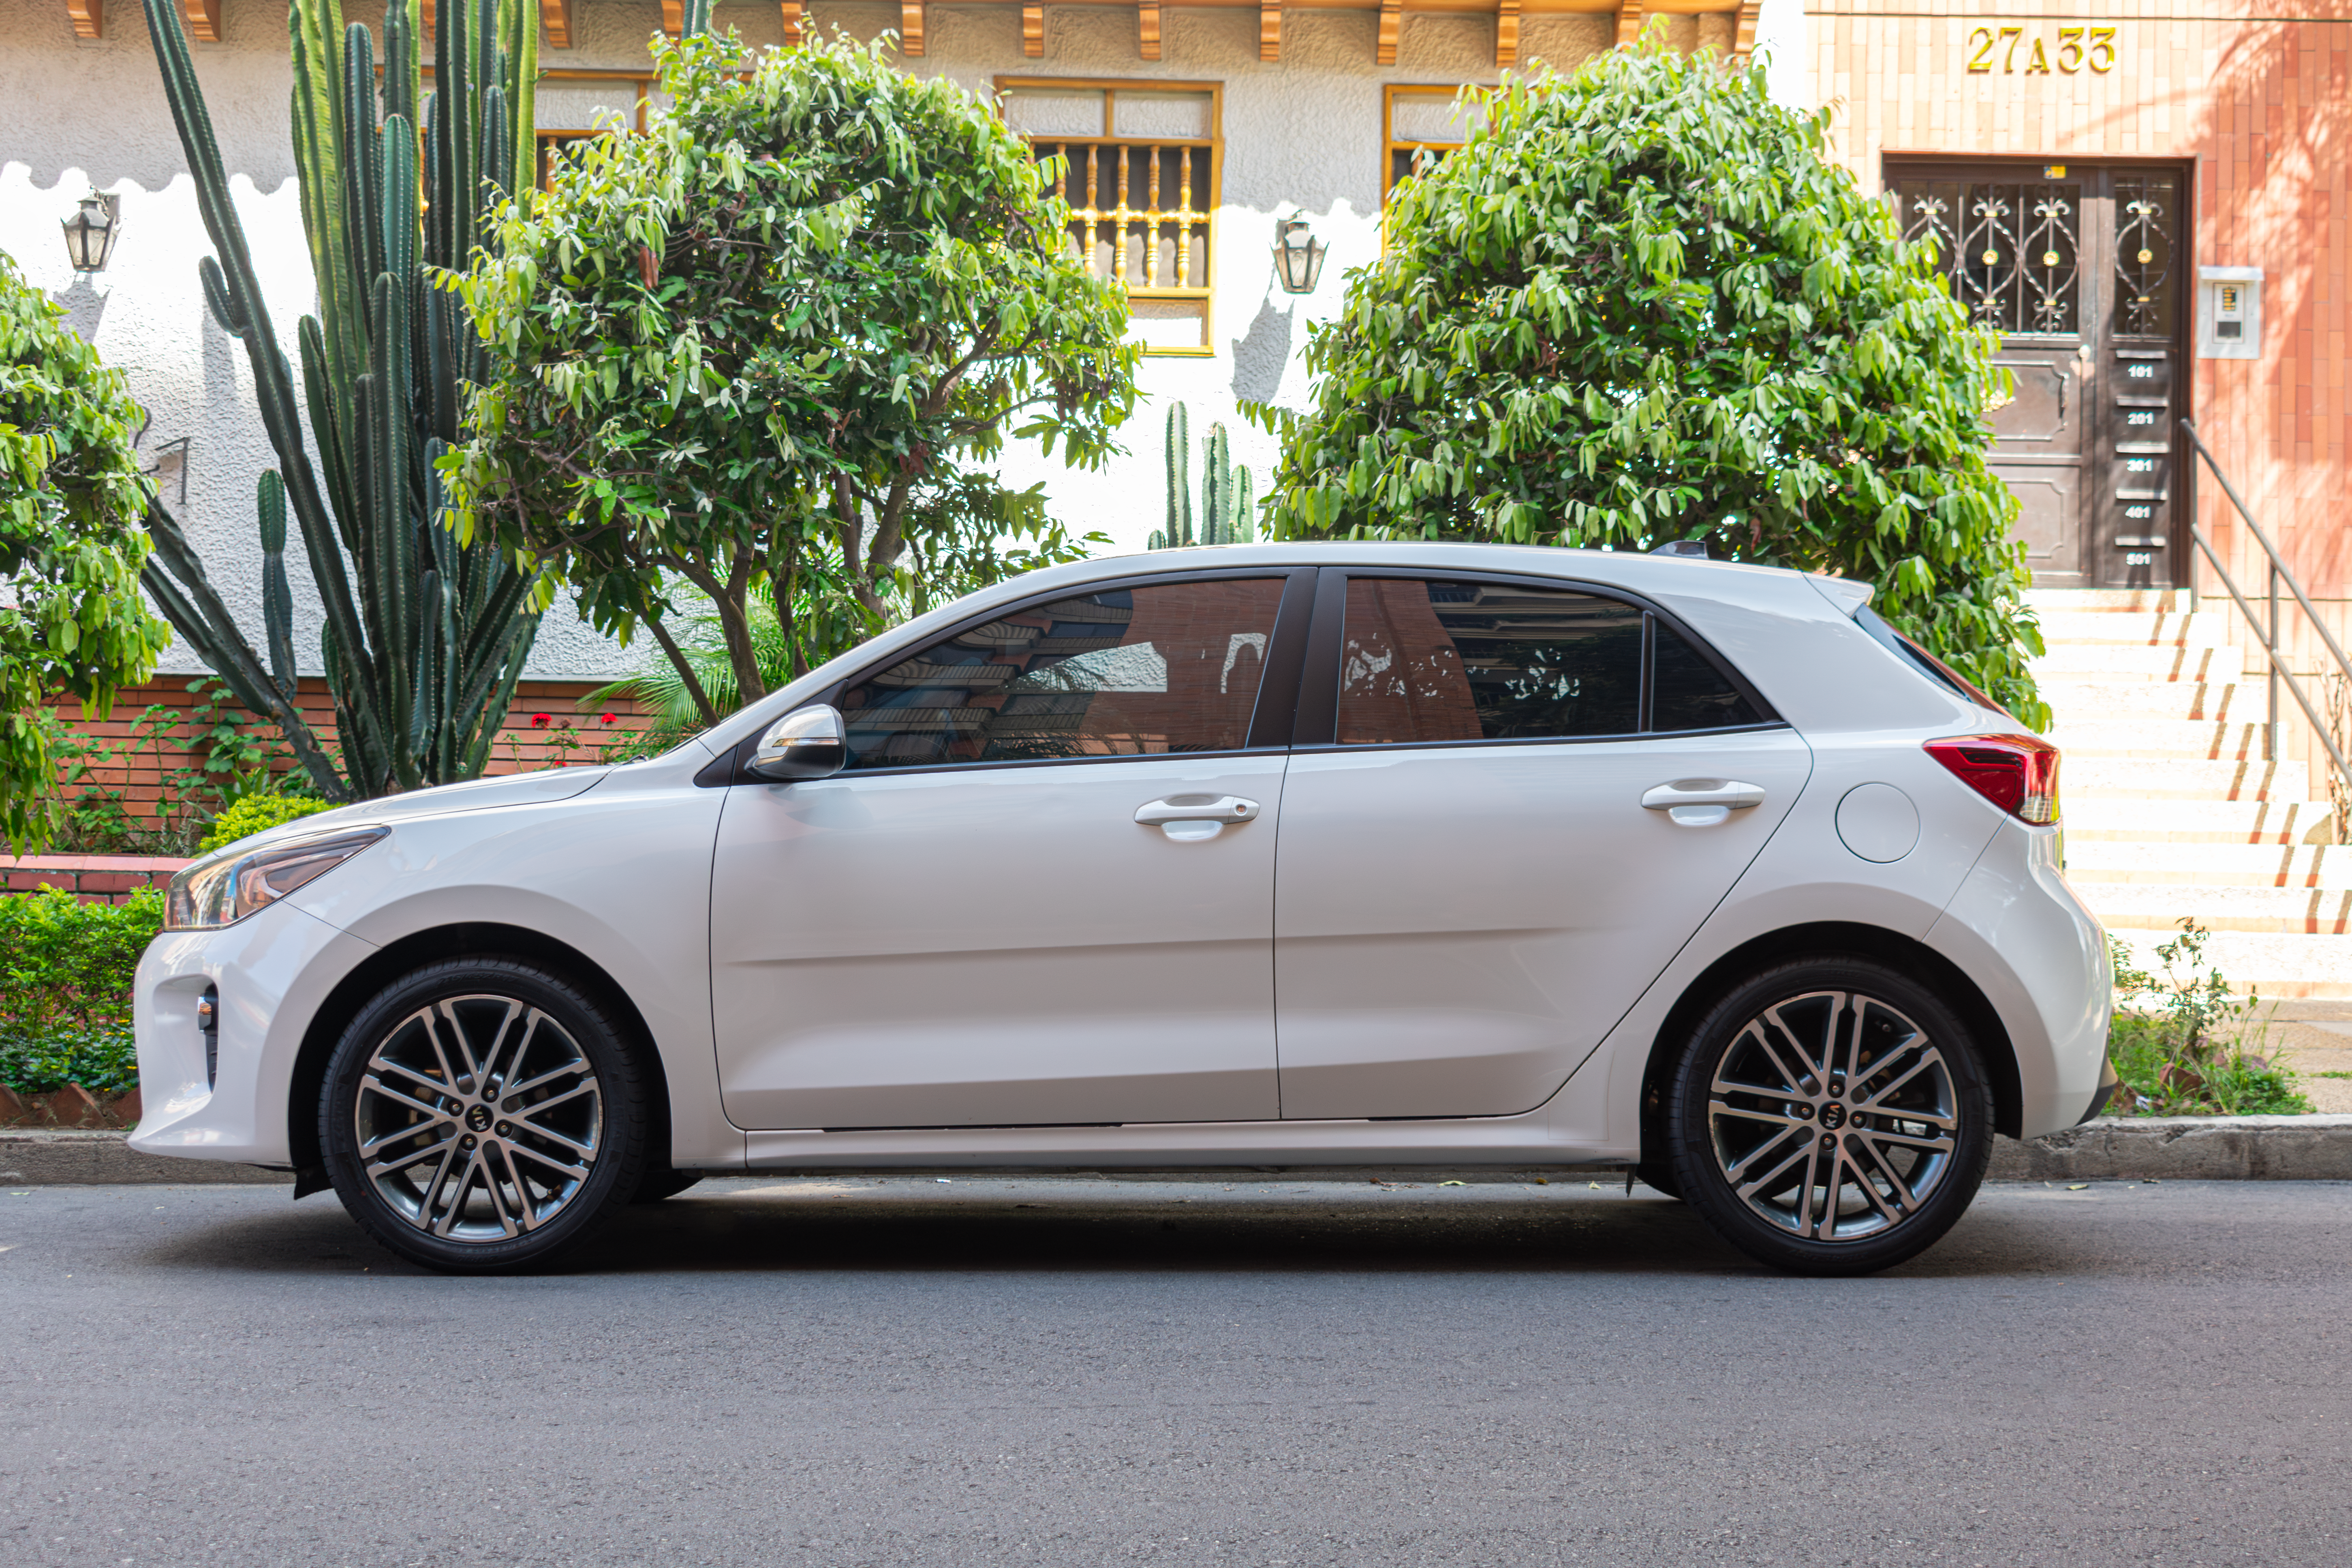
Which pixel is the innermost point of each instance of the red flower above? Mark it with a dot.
(538, 720)
(604, 719)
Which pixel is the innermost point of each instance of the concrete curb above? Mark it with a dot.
(2181, 1148)
(40, 1157)
(2185, 1148)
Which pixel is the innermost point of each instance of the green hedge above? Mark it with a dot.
(258, 814)
(66, 969)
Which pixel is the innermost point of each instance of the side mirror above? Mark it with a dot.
(806, 743)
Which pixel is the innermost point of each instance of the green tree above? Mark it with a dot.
(71, 496)
(970, 546)
(1637, 306)
(772, 341)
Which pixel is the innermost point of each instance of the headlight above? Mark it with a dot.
(227, 885)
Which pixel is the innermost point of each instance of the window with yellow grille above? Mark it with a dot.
(1141, 163)
(1419, 125)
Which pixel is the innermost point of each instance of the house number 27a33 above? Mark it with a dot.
(2077, 47)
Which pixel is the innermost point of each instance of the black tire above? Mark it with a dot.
(531, 1116)
(1830, 1116)
(663, 1182)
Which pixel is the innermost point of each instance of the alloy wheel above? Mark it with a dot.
(1832, 1115)
(479, 1118)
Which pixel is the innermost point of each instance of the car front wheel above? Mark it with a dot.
(483, 1115)
(1830, 1116)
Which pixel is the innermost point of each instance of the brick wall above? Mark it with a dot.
(522, 746)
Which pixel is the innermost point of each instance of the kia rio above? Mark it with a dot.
(1298, 857)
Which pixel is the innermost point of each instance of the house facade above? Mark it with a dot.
(2148, 203)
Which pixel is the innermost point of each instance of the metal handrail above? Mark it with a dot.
(2279, 570)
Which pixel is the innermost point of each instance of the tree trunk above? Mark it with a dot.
(678, 661)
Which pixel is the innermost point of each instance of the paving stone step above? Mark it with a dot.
(2072, 698)
(2082, 778)
(2185, 740)
(2108, 661)
(2316, 913)
(2090, 818)
(2074, 628)
(2277, 965)
(2292, 865)
(2119, 600)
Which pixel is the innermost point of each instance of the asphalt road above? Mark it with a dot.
(1278, 1374)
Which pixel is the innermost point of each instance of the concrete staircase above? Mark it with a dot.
(2170, 808)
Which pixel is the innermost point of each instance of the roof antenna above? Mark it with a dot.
(1696, 548)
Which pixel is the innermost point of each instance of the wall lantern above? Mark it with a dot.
(90, 233)
(1297, 255)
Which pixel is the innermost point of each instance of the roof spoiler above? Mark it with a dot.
(1848, 596)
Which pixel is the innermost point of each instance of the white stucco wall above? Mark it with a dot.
(84, 113)
(1303, 134)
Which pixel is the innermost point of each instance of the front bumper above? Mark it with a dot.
(271, 970)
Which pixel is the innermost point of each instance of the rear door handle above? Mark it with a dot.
(1702, 803)
(1218, 808)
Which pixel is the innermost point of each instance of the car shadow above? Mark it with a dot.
(800, 1229)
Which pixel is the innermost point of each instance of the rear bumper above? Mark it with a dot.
(2108, 1083)
(2041, 958)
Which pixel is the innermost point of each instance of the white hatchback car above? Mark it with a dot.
(1268, 856)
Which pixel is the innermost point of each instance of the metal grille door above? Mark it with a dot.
(2076, 270)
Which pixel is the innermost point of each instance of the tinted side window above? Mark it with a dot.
(1689, 692)
(1424, 661)
(1126, 672)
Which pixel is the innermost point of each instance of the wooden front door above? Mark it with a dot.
(2077, 266)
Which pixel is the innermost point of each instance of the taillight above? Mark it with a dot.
(2018, 774)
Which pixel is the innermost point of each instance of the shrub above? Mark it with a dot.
(1638, 307)
(256, 813)
(66, 970)
(2179, 1040)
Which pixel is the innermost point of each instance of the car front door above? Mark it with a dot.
(1521, 800)
(1042, 890)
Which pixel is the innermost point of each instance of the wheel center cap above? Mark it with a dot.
(1833, 1117)
(479, 1119)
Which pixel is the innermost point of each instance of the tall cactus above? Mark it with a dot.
(1226, 503)
(424, 638)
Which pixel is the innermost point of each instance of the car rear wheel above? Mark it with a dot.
(483, 1115)
(1831, 1115)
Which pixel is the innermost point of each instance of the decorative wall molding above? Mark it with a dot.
(203, 18)
(1629, 23)
(1743, 31)
(1146, 29)
(795, 24)
(1032, 31)
(1269, 29)
(911, 28)
(1391, 23)
(1506, 35)
(555, 15)
(88, 17)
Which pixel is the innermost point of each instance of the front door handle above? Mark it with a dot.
(1220, 808)
(1187, 817)
(1702, 803)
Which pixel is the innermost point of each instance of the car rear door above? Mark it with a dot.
(1510, 803)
